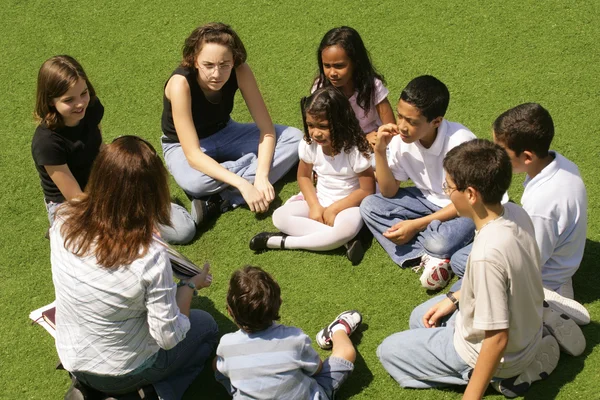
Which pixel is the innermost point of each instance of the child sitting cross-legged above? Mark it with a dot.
(496, 334)
(335, 148)
(267, 360)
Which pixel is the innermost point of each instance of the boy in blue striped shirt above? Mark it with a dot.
(267, 360)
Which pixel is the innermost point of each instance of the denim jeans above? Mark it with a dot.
(235, 147)
(423, 358)
(181, 231)
(173, 371)
(439, 239)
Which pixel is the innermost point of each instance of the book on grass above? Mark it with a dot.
(183, 267)
(45, 316)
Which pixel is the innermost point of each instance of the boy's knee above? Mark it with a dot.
(288, 134)
(368, 204)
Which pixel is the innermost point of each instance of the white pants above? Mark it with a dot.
(305, 233)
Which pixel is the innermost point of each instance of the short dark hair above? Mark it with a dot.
(214, 32)
(429, 95)
(254, 299)
(528, 127)
(482, 165)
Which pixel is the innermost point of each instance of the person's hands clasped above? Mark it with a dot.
(432, 317)
(316, 213)
(254, 198)
(329, 216)
(204, 278)
(402, 232)
(262, 184)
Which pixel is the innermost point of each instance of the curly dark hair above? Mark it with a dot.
(253, 298)
(363, 73)
(330, 103)
(214, 32)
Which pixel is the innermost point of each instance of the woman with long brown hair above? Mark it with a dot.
(121, 321)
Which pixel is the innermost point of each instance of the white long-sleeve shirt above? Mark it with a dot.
(111, 321)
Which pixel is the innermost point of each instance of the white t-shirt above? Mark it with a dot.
(370, 121)
(556, 201)
(502, 288)
(338, 175)
(425, 166)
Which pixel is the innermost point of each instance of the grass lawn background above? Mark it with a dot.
(491, 56)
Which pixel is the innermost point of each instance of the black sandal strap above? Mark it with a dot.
(282, 245)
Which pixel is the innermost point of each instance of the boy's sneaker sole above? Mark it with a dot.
(575, 310)
(567, 333)
(546, 360)
(351, 319)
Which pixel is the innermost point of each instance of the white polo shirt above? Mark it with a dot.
(425, 166)
(556, 201)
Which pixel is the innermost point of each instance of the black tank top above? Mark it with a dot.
(208, 118)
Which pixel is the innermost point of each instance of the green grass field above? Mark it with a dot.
(491, 56)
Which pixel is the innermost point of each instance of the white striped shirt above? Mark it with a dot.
(111, 321)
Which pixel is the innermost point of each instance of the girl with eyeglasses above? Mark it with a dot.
(218, 162)
(68, 139)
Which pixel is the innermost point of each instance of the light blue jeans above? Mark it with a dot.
(181, 231)
(439, 239)
(173, 371)
(423, 358)
(235, 147)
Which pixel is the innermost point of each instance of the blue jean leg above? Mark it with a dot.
(458, 261)
(333, 374)
(173, 371)
(182, 229)
(423, 358)
(439, 239)
(235, 147)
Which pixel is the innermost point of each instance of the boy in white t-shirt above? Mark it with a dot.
(554, 197)
(418, 225)
(497, 332)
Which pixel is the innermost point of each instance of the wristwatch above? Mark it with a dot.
(189, 284)
(453, 299)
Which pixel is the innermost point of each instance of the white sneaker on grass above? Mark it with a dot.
(576, 311)
(546, 360)
(567, 333)
(351, 320)
(436, 272)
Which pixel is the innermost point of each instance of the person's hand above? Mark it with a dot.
(262, 184)
(254, 198)
(316, 213)
(402, 232)
(204, 278)
(329, 216)
(372, 138)
(432, 317)
(385, 133)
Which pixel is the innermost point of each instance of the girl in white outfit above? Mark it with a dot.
(335, 148)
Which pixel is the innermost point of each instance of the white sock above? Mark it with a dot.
(274, 242)
(339, 326)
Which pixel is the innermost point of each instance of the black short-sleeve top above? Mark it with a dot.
(208, 117)
(76, 146)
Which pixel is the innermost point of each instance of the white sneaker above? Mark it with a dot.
(565, 330)
(436, 272)
(350, 319)
(576, 311)
(546, 360)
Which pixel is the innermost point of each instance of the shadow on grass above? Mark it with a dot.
(205, 386)
(585, 280)
(361, 376)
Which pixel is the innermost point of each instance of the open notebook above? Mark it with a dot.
(183, 268)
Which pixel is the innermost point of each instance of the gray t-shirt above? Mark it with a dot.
(502, 288)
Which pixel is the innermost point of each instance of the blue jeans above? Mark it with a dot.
(439, 239)
(235, 147)
(181, 231)
(173, 370)
(423, 358)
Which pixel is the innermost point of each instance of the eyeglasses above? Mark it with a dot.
(447, 189)
(128, 137)
(211, 68)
